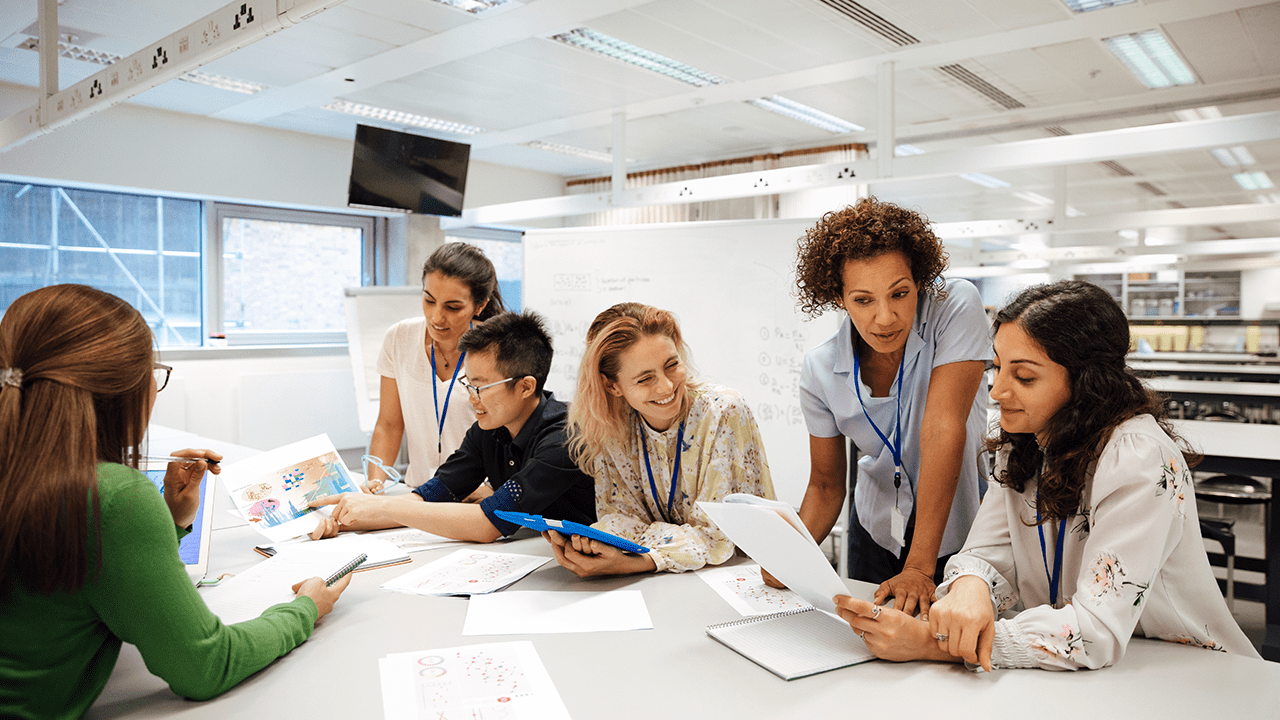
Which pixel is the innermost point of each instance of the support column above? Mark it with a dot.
(619, 183)
(886, 137)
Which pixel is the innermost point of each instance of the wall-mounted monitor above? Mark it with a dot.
(391, 169)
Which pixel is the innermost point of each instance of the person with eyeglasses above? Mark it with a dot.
(517, 444)
(657, 441)
(88, 548)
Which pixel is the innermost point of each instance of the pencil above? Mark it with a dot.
(169, 459)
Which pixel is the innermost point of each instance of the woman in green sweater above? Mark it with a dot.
(88, 548)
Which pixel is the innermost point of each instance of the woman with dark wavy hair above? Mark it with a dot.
(900, 379)
(1091, 533)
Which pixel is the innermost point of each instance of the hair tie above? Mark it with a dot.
(11, 376)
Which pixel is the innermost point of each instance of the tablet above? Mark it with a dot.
(568, 527)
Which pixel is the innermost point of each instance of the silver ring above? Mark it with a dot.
(875, 613)
(862, 635)
(940, 637)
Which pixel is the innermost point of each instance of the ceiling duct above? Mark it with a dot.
(982, 87)
(872, 22)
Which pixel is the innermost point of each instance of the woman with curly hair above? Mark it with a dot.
(900, 379)
(1091, 532)
(657, 441)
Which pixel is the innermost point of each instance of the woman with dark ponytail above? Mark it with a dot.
(1089, 533)
(88, 548)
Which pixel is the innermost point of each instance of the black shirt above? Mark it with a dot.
(532, 473)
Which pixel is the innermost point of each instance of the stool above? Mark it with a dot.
(1233, 490)
(1220, 531)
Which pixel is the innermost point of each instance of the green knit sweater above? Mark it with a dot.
(57, 651)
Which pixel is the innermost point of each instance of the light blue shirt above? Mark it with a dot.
(953, 329)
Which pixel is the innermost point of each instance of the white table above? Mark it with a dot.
(675, 670)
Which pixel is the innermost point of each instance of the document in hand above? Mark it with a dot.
(271, 490)
(766, 531)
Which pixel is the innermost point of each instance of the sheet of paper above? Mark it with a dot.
(379, 551)
(270, 582)
(411, 540)
(742, 587)
(523, 613)
(271, 490)
(466, 572)
(491, 680)
(787, 554)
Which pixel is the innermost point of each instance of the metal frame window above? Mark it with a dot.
(505, 249)
(292, 265)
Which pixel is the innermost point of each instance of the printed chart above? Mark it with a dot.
(272, 490)
(476, 682)
(466, 572)
(743, 588)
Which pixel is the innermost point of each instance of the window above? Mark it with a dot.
(145, 249)
(505, 250)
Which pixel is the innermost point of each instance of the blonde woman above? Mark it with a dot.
(656, 442)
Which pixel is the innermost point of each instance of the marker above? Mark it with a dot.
(169, 459)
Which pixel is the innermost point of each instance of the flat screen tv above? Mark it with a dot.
(391, 169)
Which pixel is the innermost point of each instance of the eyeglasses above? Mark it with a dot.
(161, 373)
(393, 475)
(475, 391)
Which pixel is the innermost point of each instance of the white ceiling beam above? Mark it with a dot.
(521, 23)
(213, 36)
(1115, 21)
(1072, 149)
(1086, 253)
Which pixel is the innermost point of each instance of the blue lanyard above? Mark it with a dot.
(435, 399)
(675, 471)
(1056, 575)
(895, 449)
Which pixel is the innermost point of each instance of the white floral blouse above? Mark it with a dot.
(1133, 561)
(722, 454)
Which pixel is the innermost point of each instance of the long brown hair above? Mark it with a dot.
(84, 397)
(469, 264)
(1081, 328)
(596, 416)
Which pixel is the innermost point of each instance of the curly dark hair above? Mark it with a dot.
(861, 232)
(1082, 328)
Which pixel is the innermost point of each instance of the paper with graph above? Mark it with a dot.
(742, 587)
(271, 490)
(492, 680)
(466, 572)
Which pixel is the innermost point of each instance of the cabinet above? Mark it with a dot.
(1172, 294)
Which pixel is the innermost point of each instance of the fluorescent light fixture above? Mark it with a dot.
(1030, 264)
(223, 83)
(1032, 197)
(610, 46)
(397, 117)
(479, 7)
(984, 180)
(805, 114)
(1128, 234)
(1073, 212)
(1237, 156)
(1268, 199)
(1150, 57)
(1080, 6)
(1253, 181)
(1209, 112)
(74, 52)
(904, 150)
(596, 155)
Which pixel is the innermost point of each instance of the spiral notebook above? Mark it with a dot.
(794, 643)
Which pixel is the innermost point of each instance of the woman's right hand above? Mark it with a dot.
(770, 580)
(965, 618)
(323, 596)
(372, 485)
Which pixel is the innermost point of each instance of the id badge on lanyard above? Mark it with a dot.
(897, 521)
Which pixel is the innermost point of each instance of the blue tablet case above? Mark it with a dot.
(568, 527)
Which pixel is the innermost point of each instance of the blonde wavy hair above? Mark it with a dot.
(597, 417)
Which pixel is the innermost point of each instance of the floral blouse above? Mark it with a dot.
(1133, 561)
(722, 453)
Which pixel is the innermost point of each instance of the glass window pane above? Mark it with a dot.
(282, 276)
(508, 261)
(112, 241)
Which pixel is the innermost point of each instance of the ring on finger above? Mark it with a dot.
(875, 612)
(862, 635)
(940, 637)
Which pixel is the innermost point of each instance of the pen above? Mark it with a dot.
(169, 459)
(346, 569)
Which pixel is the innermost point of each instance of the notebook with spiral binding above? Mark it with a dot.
(793, 643)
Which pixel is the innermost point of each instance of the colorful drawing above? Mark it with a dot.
(282, 495)
(260, 510)
(255, 492)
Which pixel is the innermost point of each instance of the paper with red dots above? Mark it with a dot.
(493, 681)
(466, 572)
(742, 587)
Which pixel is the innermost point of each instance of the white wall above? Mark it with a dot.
(1258, 289)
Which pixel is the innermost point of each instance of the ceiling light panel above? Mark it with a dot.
(1238, 156)
(1253, 181)
(1151, 58)
(805, 114)
(1081, 6)
(584, 153)
(396, 117)
(223, 83)
(985, 181)
(609, 46)
(480, 8)
(905, 150)
(1033, 197)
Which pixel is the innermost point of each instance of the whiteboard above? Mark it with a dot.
(370, 311)
(730, 284)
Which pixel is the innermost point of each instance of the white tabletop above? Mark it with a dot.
(674, 670)
(1214, 387)
(1254, 441)
(1203, 368)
